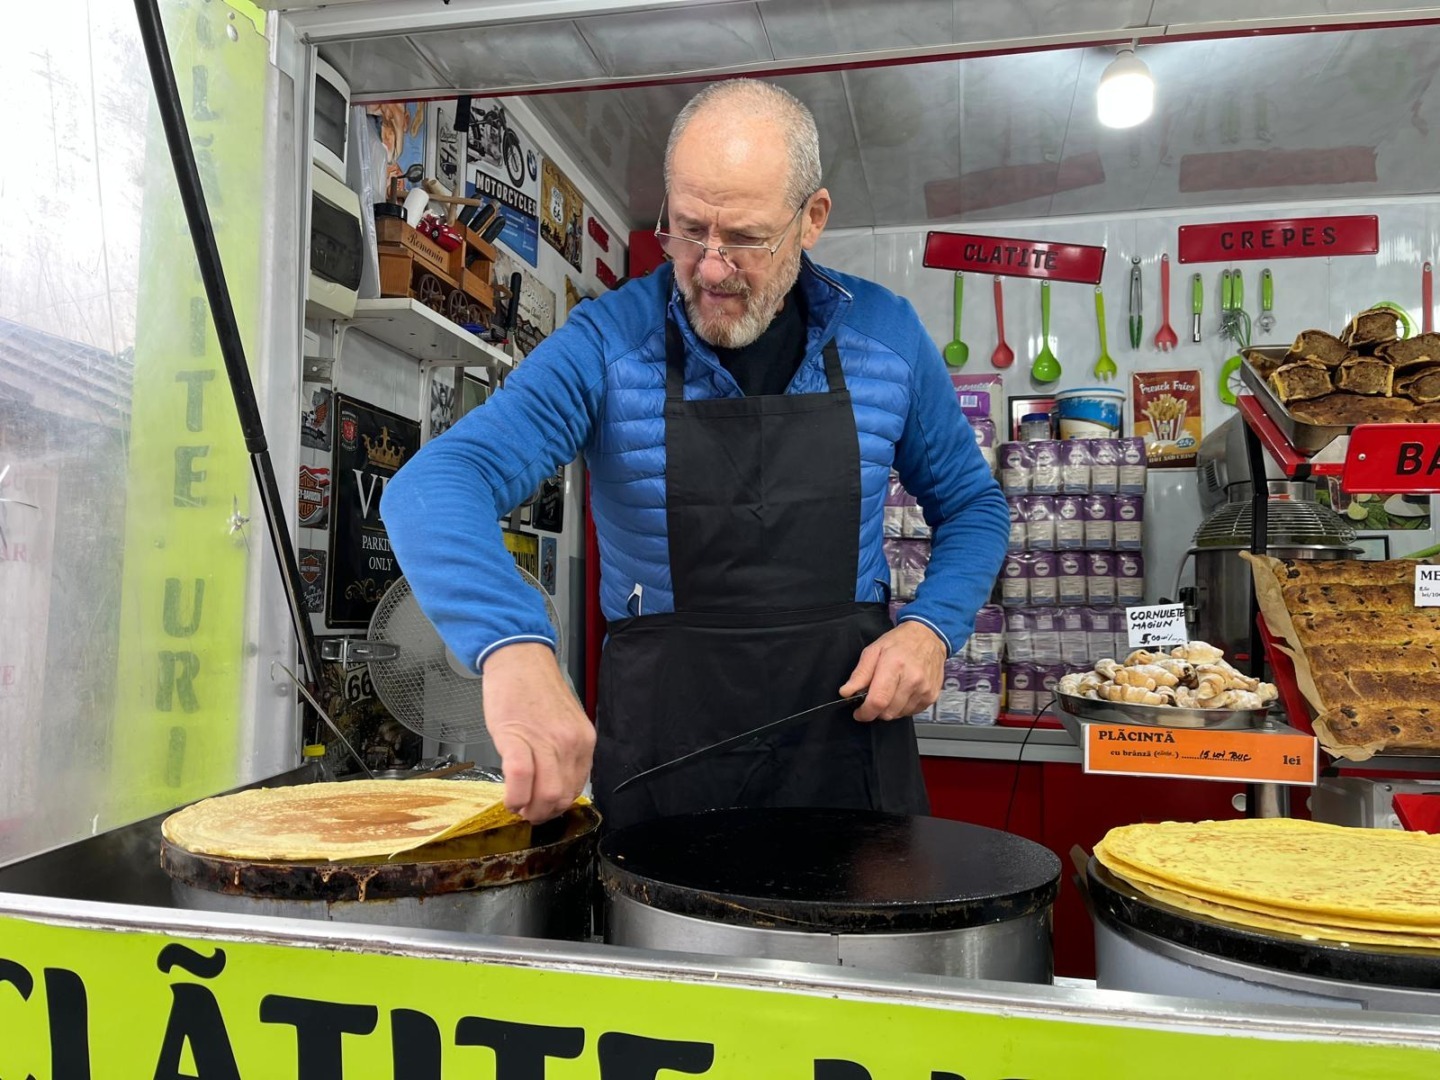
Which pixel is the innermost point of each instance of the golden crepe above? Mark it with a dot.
(331, 822)
(1300, 870)
(1255, 920)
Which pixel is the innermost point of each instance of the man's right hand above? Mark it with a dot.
(545, 740)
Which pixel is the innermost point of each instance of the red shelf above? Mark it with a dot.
(1295, 464)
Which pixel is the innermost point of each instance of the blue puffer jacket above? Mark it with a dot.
(597, 386)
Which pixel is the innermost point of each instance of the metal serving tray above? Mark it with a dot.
(1304, 438)
(1119, 712)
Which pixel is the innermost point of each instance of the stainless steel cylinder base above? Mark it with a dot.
(1017, 950)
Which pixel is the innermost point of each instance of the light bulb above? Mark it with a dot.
(1126, 95)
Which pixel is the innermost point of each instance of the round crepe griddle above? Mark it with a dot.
(838, 871)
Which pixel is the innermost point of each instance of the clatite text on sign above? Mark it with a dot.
(1280, 238)
(972, 253)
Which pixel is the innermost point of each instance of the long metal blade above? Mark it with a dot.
(736, 740)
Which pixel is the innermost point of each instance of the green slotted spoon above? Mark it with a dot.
(1046, 368)
(1105, 368)
(957, 352)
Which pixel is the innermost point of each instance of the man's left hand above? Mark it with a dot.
(903, 670)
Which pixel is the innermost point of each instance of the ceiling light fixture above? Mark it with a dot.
(1126, 95)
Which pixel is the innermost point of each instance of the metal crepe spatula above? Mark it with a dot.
(735, 740)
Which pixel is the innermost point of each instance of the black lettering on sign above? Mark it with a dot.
(319, 1029)
(415, 1045)
(840, 1069)
(173, 626)
(1409, 461)
(195, 396)
(186, 959)
(186, 475)
(520, 1049)
(69, 1025)
(172, 683)
(18, 977)
(195, 1021)
(634, 1057)
(1434, 462)
(945, 1076)
(1329, 234)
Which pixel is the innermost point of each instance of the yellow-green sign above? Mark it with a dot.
(179, 691)
(77, 1003)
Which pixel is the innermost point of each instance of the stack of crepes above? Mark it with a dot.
(359, 819)
(1320, 882)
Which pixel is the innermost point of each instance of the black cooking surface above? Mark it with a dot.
(835, 870)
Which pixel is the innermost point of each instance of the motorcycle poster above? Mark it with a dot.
(502, 167)
(562, 210)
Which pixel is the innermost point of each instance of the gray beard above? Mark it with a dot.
(736, 332)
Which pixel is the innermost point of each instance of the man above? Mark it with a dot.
(739, 411)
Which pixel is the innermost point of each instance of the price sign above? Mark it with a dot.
(1393, 458)
(1251, 757)
(1427, 586)
(1158, 624)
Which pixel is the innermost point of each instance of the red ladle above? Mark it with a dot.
(1003, 356)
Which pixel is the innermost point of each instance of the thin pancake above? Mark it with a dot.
(1278, 924)
(330, 822)
(1298, 869)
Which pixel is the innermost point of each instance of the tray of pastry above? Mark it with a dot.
(1120, 712)
(1304, 437)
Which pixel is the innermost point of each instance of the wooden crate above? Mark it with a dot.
(392, 232)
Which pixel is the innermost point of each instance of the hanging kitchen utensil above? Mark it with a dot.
(957, 352)
(1003, 356)
(1427, 299)
(1136, 307)
(1266, 322)
(736, 740)
(1197, 305)
(1165, 338)
(1230, 384)
(1226, 303)
(1104, 367)
(419, 681)
(1046, 368)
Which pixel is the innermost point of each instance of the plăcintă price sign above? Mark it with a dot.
(1250, 757)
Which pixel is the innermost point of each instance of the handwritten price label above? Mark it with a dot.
(1251, 757)
(1156, 625)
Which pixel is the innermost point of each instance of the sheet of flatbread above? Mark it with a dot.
(331, 822)
(1253, 920)
(1380, 726)
(1301, 869)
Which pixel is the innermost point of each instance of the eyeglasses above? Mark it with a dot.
(743, 257)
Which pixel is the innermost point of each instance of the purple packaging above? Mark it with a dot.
(1019, 641)
(1045, 457)
(1019, 529)
(916, 527)
(1074, 637)
(1015, 581)
(1099, 513)
(1039, 511)
(1129, 522)
(1104, 465)
(973, 403)
(1129, 577)
(987, 642)
(1100, 578)
(1075, 466)
(1133, 469)
(1070, 577)
(985, 437)
(895, 499)
(1069, 522)
(913, 556)
(895, 493)
(1044, 633)
(895, 606)
(1099, 639)
(950, 705)
(1020, 681)
(1017, 465)
(1049, 678)
(1042, 579)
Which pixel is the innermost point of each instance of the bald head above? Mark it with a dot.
(747, 112)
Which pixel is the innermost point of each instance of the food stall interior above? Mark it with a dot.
(969, 118)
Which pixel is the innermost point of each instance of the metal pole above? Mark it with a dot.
(212, 273)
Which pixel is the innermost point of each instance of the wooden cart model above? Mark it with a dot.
(457, 284)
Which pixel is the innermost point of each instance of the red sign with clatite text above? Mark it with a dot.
(975, 254)
(1393, 459)
(1281, 238)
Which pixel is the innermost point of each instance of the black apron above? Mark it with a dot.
(763, 511)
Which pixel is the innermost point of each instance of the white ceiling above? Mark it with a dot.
(1272, 117)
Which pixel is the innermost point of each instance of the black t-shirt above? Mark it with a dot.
(766, 366)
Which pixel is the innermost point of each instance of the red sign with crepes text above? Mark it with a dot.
(972, 253)
(1393, 459)
(1280, 238)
